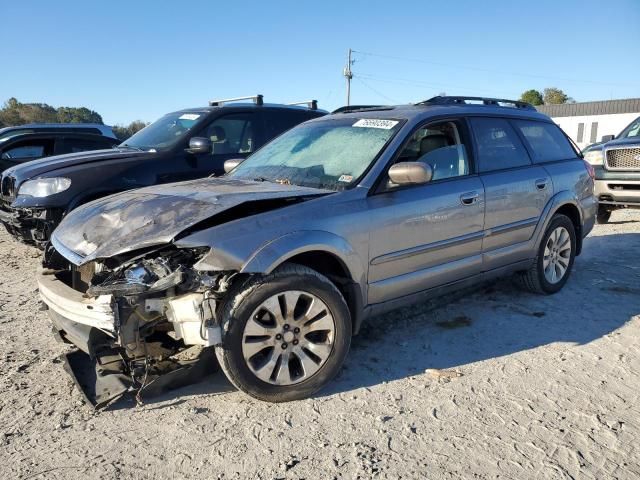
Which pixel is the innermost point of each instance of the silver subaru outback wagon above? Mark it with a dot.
(274, 266)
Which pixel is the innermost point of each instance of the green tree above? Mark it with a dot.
(15, 113)
(78, 115)
(125, 131)
(554, 96)
(534, 97)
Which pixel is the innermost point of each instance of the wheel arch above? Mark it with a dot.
(324, 252)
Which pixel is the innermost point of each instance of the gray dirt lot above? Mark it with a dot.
(532, 387)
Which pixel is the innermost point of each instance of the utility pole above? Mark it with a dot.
(348, 75)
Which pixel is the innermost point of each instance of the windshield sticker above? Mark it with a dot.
(375, 123)
(189, 116)
(346, 178)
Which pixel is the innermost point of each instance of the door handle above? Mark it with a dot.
(469, 198)
(541, 183)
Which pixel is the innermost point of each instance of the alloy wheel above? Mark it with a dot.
(288, 338)
(557, 255)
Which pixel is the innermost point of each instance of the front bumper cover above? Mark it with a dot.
(101, 367)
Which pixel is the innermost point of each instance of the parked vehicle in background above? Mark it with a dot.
(182, 145)
(24, 143)
(616, 161)
(277, 264)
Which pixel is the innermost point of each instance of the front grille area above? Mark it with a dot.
(8, 187)
(623, 159)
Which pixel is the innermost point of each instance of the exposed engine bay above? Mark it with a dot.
(147, 322)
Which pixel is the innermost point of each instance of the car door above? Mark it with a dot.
(427, 235)
(232, 136)
(516, 191)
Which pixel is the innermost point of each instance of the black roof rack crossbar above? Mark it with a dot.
(311, 104)
(257, 99)
(494, 102)
(356, 108)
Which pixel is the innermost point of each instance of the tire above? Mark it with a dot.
(603, 215)
(535, 279)
(246, 303)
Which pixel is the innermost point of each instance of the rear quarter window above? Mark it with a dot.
(546, 140)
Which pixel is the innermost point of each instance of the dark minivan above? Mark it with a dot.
(182, 145)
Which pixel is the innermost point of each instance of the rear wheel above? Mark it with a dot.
(556, 253)
(286, 334)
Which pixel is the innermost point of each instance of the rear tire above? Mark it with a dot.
(286, 334)
(552, 266)
(603, 215)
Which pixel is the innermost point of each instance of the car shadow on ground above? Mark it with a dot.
(499, 319)
(489, 321)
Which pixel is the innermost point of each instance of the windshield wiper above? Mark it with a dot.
(261, 179)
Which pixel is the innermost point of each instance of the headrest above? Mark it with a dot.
(217, 134)
(433, 142)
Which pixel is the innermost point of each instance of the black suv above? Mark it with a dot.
(28, 142)
(182, 145)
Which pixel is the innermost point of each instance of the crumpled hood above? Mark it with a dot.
(155, 215)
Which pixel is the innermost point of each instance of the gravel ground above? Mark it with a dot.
(495, 383)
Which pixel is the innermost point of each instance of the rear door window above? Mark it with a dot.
(498, 145)
(546, 140)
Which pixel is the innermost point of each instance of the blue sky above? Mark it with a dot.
(141, 59)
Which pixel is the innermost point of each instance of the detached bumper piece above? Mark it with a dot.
(105, 378)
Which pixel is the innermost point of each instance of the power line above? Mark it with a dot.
(376, 91)
(420, 83)
(479, 69)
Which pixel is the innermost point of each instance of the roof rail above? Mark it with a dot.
(257, 99)
(355, 108)
(311, 104)
(493, 102)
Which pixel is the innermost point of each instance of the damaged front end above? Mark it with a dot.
(145, 323)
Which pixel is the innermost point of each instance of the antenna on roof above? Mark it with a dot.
(311, 104)
(257, 99)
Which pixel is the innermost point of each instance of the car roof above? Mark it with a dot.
(104, 130)
(37, 135)
(249, 106)
(424, 111)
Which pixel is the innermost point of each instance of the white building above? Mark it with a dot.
(588, 122)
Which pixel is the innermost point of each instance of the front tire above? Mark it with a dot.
(554, 261)
(286, 334)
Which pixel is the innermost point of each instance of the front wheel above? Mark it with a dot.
(286, 334)
(554, 261)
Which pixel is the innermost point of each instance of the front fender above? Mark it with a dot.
(278, 251)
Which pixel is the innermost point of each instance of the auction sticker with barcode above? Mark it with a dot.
(375, 123)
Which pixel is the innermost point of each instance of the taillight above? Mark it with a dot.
(590, 169)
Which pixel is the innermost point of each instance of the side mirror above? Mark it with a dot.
(232, 163)
(607, 138)
(199, 145)
(407, 173)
